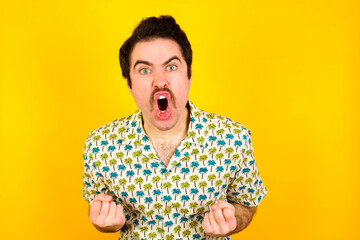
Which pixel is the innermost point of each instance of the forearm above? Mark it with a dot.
(243, 216)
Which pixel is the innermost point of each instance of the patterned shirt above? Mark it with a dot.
(213, 162)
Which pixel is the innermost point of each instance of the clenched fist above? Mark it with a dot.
(220, 221)
(105, 214)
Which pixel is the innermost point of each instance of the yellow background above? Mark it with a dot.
(287, 70)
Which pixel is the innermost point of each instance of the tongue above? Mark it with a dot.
(163, 104)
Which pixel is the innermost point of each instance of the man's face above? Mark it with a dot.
(160, 85)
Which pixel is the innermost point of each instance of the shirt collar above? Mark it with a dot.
(195, 124)
(134, 130)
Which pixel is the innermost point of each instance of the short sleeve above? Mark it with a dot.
(247, 187)
(93, 180)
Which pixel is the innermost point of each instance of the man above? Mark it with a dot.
(170, 170)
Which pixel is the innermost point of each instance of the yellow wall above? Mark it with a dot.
(287, 70)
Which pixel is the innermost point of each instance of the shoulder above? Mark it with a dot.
(112, 130)
(221, 124)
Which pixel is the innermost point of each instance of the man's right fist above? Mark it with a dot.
(105, 214)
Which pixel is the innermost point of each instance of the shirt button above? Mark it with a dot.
(168, 208)
(167, 174)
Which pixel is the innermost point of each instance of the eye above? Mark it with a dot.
(144, 71)
(171, 67)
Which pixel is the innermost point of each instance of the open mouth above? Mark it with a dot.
(162, 103)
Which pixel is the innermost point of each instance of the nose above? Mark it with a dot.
(160, 80)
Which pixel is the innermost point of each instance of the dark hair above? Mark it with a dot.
(153, 27)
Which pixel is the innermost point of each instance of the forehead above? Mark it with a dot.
(155, 51)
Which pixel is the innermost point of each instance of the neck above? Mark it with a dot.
(179, 131)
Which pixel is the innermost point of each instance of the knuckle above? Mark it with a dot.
(224, 231)
(119, 218)
(210, 230)
(102, 224)
(98, 196)
(120, 222)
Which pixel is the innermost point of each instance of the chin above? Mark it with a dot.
(164, 125)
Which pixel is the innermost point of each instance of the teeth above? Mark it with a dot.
(162, 103)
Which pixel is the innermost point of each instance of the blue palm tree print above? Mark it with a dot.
(147, 148)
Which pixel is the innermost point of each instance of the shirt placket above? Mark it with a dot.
(165, 200)
(172, 170)
(167, 224)
(159, 204)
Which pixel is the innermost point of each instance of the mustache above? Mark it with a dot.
(172, 97)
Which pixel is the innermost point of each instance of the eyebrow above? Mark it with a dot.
(172, 58)
(142, 62)
(148, 63)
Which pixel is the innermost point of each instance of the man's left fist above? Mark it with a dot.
(220, 221)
